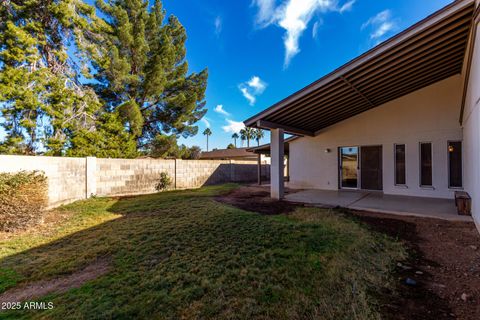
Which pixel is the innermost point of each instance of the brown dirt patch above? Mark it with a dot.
(51, 219)
(257, 199)
(444, 259)
(61, 284)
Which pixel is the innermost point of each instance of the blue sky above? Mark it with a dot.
(260, 51)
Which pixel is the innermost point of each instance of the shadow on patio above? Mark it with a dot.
(379, 202)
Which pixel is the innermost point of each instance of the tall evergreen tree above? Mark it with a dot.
(41, 99)
(108, 140)
(141, 89)
(141, 70)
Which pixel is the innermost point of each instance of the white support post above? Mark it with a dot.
(90, 177)
(277, 165)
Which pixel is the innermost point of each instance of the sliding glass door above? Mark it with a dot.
(349, 167)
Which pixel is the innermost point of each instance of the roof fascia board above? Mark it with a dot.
(468, 62)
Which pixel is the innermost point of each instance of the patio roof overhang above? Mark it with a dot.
(266, 148)
(429, 51)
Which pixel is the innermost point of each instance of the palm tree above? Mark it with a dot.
(258, 134)
(235, 137)
(243, 136)
(207, 133)
(247, 134)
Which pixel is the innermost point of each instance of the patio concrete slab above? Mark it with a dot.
(326, 197)
(379, 202)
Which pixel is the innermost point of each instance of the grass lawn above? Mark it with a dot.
(181, 254)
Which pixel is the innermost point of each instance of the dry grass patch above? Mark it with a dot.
(181, 254)
(23, 198)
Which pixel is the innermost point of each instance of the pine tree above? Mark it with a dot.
(163, 146)
(142, 71)
(42, 101)
(108, 140)
(48, 48)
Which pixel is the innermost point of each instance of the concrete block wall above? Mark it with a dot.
(71, 179)
(244, 172)
(66, 176)
(195, 173)
(130, 176)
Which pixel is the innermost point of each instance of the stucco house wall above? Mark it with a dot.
(427, 115)
(471, 131)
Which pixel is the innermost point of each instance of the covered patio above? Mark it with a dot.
(378, 202)
(431, 51)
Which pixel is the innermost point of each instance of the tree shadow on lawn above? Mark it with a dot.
(182, 254)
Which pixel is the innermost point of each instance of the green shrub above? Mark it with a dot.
(23, 199)
(164, 183)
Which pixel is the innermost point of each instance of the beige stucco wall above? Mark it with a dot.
(427, 115)
(71, 179)
(471, 131)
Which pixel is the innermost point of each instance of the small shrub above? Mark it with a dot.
(23, 199)
(164, 183)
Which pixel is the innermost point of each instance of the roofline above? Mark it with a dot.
(469, 58)
(418, 27)
(287, 140)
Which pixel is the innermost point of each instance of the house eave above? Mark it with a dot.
(384, 73)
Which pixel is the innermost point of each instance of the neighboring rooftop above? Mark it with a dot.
(265, 148)
(229, 154)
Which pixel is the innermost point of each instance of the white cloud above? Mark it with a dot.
(381, 30)
(294, 16)
(218, 25)
(233, 126)
(257, 84)
(377, 19)
(252, 88)
(206, 122)
(219, 109)
(251, 99)
(380, 24)
(316, 25)
(266, 12)
(347, 6)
